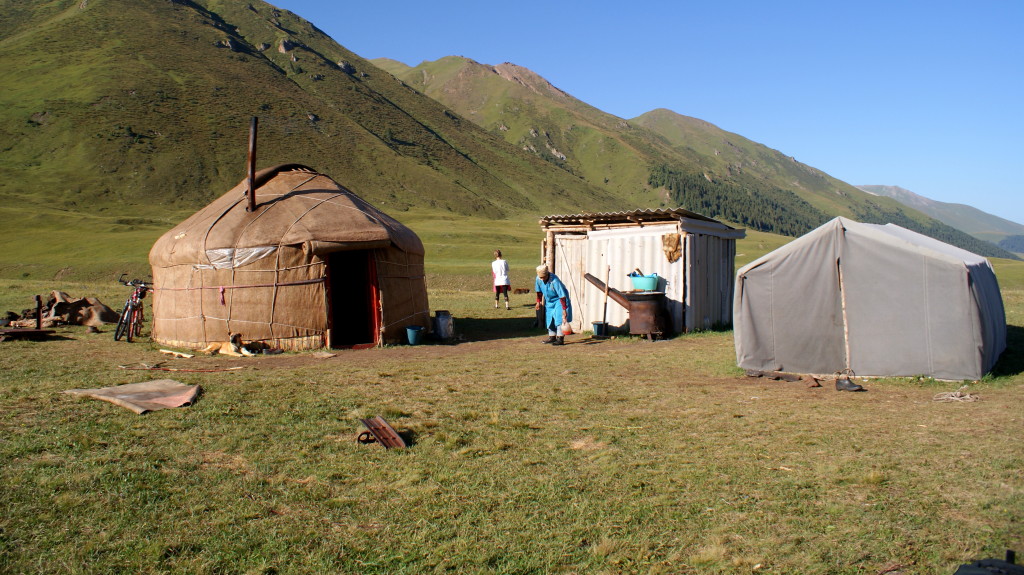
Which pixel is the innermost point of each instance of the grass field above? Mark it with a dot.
(613, 456)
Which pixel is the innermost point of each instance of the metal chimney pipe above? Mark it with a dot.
(252, 164)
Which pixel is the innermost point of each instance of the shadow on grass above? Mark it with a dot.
(408, 436)
(18, 335)
(491, 328)
(486, 329)
(1012, 361)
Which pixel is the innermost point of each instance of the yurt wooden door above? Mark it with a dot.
(353, 299)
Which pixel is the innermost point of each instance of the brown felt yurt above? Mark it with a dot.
(313, 266)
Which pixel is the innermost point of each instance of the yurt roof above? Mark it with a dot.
(295, 205)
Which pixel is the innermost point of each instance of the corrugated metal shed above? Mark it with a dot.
(696, 277)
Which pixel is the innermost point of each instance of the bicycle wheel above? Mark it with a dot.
(133, 318)
(123, 323)
(137, 319)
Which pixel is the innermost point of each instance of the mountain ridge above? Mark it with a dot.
(681, 160)
(180, 79)
(120, 117)
(974, 221)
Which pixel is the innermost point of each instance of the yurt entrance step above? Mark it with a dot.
(353, 298)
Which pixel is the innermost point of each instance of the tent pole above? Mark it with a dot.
(846, 325)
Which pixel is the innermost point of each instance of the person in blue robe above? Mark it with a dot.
(552, 295)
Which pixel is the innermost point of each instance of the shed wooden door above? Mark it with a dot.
(569, 254)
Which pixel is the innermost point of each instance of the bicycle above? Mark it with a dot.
(129, 325)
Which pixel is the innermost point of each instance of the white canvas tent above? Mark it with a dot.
(879, 300)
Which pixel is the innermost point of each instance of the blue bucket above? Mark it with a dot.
(645, 283)
(600, 328)
(415, 334)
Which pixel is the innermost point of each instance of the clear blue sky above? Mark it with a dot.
(928, 96)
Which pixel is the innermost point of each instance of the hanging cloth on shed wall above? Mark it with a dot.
(672, 245)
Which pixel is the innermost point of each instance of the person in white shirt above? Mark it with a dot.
(499, 271)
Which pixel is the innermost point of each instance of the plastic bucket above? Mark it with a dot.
(415, 334)
(645, 283)
(600, 328)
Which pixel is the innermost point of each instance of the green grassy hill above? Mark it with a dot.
(120, 117)
(527, 111)
(661, 157)
(150, 100)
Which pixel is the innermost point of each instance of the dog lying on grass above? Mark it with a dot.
(235, 347)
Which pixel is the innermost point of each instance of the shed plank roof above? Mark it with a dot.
(690, 222)
(626, 217)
